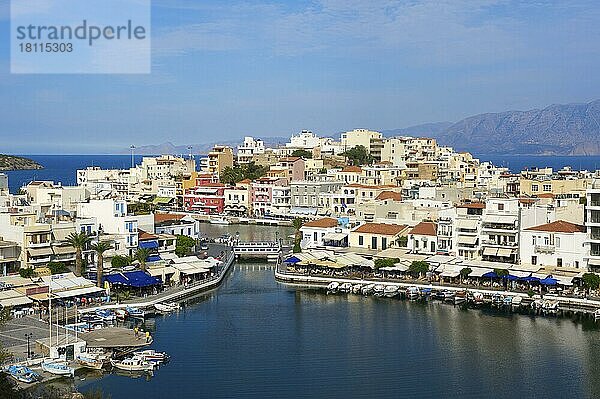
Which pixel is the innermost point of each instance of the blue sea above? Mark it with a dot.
(62, 168)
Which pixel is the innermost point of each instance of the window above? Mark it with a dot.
(315, 236)
(547, 187)
(373, 242)
(360, 240)
(559, 262)
(500, 207)
(534, 260)
(557, 241)
(384, 243)
(534, 187)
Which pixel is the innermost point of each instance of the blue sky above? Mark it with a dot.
(225, 69)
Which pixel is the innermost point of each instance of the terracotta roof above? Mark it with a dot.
(545, 195)
(245, 181)
(389, 195)
(289, 159)
(163, 217)
(381, 229)
(370, 187)
(472, 205)
(560, 226)
(352, 169)
(142, 235)
(323, 223)
(424, 229)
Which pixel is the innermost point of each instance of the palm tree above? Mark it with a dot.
(78, 241)
(100, 248)
(141, 255)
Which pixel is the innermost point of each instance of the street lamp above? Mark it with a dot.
(28, 336)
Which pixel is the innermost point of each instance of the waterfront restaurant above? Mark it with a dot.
(137, 280)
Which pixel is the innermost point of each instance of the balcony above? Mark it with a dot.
(544, 249)
(35, 261)
(500, 244)
(38, 244)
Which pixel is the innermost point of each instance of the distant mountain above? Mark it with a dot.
(425, 130)
(12, 162)
(571, 129)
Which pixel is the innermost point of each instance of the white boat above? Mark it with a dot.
(167, 307)
(132, 364)
(497, 299)
(378, 290)
(478, 298)
(150, 355)
(356, 288)
(516, 302)
(333, 287)
(219, 220)
(106, 315)
(121, 313)
(367, 289)
(460, 297)
(57, 367)
(412, 292)
(90, 361)
(550, 307)
(390, 291)
(22, 374)
(135, 312)
(346, 287)
(508, 301)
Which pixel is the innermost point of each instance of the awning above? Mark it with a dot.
(64, 250)
(153, 258)
(469, 224)
(162, 271)
(40, 251)
(489, 251)
(334, 236)
(152, 244)
(39, 297)
(505, 252)
(564, 280)
(62, 234)
(136, 279)
(469, 240)
(79, 292)
(10, 298)
(162, 200)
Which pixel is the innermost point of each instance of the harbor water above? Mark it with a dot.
(256, 338)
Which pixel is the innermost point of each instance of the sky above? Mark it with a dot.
(223, 69)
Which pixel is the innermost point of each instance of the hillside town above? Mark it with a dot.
(377, 197)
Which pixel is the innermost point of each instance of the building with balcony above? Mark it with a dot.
(500, 231)
(556, 244)
(208, 199)
(219, 158)
(467, 229)
(592, 224)
(10, 253)
(377, 236)
(249, 148)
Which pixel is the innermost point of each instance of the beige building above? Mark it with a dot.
(219, 158)
(557, 187)
(358, 137)
(377, 236)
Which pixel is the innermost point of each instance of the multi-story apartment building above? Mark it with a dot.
(556, 244)
(10, 253)
(467, 230)
(362, 137)
(249, 148)
(218, 159)
(310, 195)
(592, 224)
(208, 198)
(500, 230)
(237, 200)
(262, 194)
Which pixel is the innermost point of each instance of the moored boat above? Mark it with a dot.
(367, 289)
(497, 299)
(460, 297)
(508, 301)
(356, 288)
(150, 355)
(390, 291)
(57, 367)
(550, 307)
(219, 220)
(412, 292)
(106, 315)
(346, 287)
(333, 287)
(516, 302)
(132, 364)
(378, 290)
(90, 361)
(597, 315)
(448, 296)
(22, 374)
(478, 299)
(135, 312)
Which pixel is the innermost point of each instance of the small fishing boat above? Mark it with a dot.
(135, 312)
(150, 355)
(378, 290)
(90, 361)
(219, 220)
(460, 297)
(166, 307)
(390, 291)
(22, 374)
(333, 287)
(57, 367)
(121, 313)
(550, 307)
(478, 299)
(346, 287)
(133, 364)
(412, 292)
(497, 299)
(440, 295)
(367, 289)
(106, 315)
(356, 288)
(508, 301)
(516, 302)
(448, 296)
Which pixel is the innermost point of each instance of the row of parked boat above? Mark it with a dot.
(141, 361)
(514, 302)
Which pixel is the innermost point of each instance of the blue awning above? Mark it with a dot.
(490, 275)
(549, 281)
(292, 259)
(530, 279)
(136, 279)
(153, 258)
(510, 277)
(149, 244)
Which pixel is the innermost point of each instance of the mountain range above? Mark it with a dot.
(560, 129)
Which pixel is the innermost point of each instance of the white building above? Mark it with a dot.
(557, 244)
(358, 137)
(249, 148)
(422, 239)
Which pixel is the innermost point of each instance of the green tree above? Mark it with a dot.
(79, 242)
(302, 154)
(297, 223)
(385, 262)
(591, 281)
(402, 241)
(57, 267)
(183, 245)
(418, 268)
(236, 174)
(100, 248)
(141, 255)
(359, 155)
(501, 272)
(119, 261)
(464, 273)
(27, 272)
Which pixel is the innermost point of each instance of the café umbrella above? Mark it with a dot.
(549, 281)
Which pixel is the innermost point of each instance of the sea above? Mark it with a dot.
(63, 168)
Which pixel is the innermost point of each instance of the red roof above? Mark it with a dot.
(143, 236)
(322, 223)
(559, 226)
(163, 217)
(389, 195)
(352, 169)
(381, 229)
(424, 229)
(472, 205)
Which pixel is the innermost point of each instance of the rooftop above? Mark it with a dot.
(384, 195)
(424, 229)
(559, 226)
(381, 229)
(322, 223)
